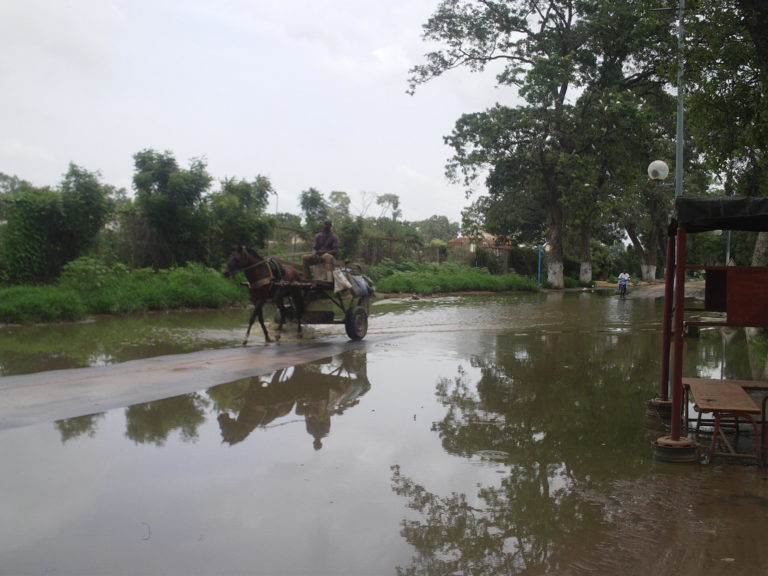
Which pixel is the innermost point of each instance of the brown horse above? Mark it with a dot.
(268, 279)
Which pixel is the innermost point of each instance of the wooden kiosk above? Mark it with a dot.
(741, 293)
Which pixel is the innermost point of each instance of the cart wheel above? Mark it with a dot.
(356, 323)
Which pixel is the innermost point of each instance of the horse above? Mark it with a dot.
(268, 279)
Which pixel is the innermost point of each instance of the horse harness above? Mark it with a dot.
(275, 273)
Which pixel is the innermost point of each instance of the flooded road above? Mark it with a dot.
(465, 435)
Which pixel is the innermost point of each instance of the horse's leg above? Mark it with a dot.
(250, 325)
(258, 305)
(278, 301)
(261, 321)
(298, 304)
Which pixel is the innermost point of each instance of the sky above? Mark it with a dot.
(310, 93)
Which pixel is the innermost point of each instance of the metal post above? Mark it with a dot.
(677, 330)
(680, 100)
(667, 322)
(541, 246)
(675, 448)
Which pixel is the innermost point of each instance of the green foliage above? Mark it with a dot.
(315, 209)
(32, 304)
(86, 206)
(487, 258)
(170, 202)
(233, 223)
(31, 241)
(350, 233)
(410, 277)
(437, 228)
(88, 286)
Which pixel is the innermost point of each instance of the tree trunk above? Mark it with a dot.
(647, 265)
(555, 260)
(648, 272)
(760, 254)
(585, 270)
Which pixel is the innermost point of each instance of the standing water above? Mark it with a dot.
(490, 435)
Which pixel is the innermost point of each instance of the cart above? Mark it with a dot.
(345, 288)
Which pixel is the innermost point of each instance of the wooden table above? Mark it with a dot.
(727, 399)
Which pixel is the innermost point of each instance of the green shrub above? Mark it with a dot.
(31, 304)
(449, 277)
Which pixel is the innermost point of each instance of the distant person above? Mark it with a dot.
(623, 280)
(325, 249)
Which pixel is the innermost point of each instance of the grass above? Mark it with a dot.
(428, 279)
(90, 287)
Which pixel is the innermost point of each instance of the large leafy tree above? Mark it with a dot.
(238, 213)
(727, 109)
(31, 253)
(170, 201)
(46, 228)
(569, 60)
(315, 208)
(86, 204)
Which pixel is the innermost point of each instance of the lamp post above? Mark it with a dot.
(658, 170)
(674, 448)
(680, 97)
(541, 247)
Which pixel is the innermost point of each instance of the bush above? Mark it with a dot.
(88, 286)
(30, 304)
(446, 277)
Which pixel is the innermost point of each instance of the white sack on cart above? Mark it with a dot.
(340, 281)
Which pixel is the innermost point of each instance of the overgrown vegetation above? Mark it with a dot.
(88, 286)
(425, 279)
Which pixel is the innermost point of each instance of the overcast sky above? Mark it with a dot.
(310, 93)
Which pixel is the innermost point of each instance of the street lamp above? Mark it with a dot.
(658, 170)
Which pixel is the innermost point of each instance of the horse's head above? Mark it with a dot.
(240, 257)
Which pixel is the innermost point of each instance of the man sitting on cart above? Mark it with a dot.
(325, 249)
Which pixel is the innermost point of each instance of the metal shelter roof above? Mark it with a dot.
(721, 213)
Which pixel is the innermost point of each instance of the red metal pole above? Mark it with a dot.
(677, 367)
(666, 331)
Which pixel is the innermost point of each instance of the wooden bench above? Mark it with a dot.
(726, 400)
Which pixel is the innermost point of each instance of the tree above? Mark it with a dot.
(548, 51)
(727, 109)
(251, 196)
(338, 205)
(238, 214)
(86, 206)
(170, 201)
(437, 228)
(31, 251)
(315, 209)
(390, 203)
(46, 228)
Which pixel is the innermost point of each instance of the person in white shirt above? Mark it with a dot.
(623, 279)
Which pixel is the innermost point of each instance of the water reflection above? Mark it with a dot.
(315, 392)
(72, 428)
(516, 443)
(551, 415)
(152, 422)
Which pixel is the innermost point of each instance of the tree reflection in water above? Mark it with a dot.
(551, 411)
(71, 428)
(315, 392)
(152, 422)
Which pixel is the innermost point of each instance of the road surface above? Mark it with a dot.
(48, 396)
